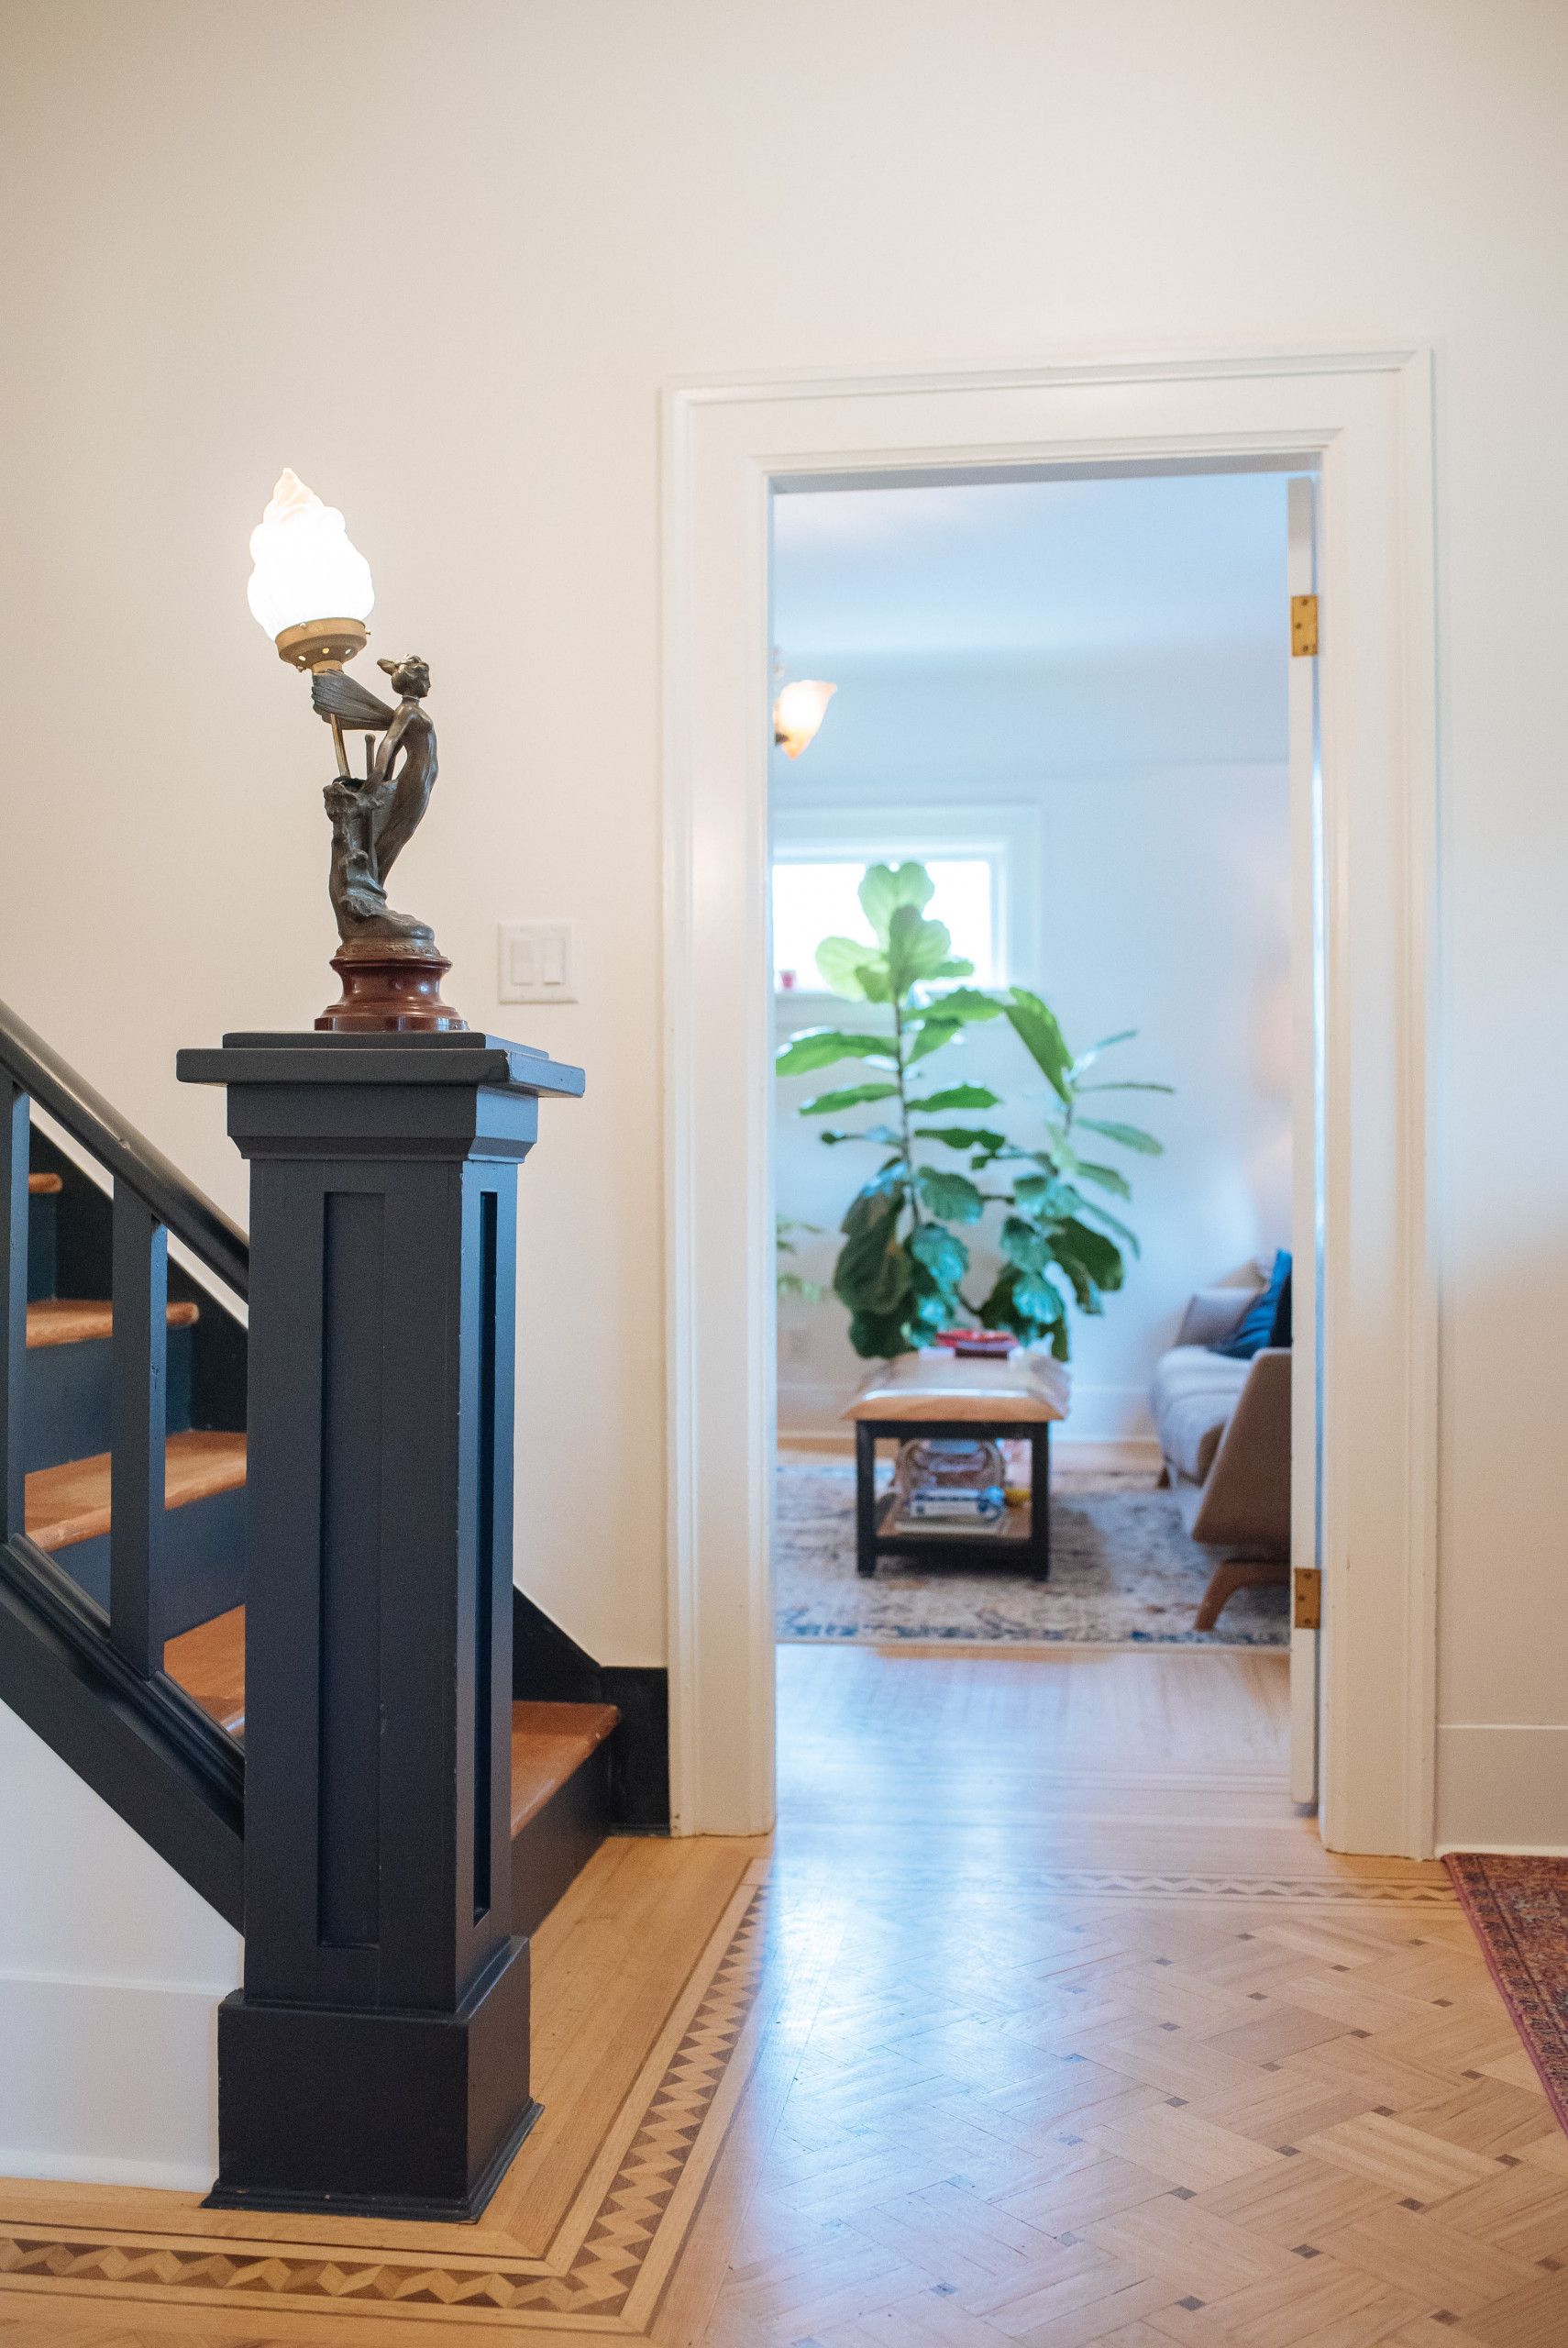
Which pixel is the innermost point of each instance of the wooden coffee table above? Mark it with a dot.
(963, 1399)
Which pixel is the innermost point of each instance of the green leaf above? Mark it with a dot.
(945, 1256)
(1103, 1215)
(872, 1274)
(1130, 1137)
(1035, 1027)
(817, 1047)
(915, 949)
(964, 1137)
(1046, 1196)
(932, 1310)
(1009, 1307)
(829, 1104)
(880, 1336)
(1025, 1245)
(931, 1034)
(1037, 1299)
(953, 968)
(1127, 1087)
(1085, 1293)
(882, 892)
(952, 1197)
(957, 1096)
(967, 1002)
(1107, 1178)
(1080, 1250)
(883, 1133)
(841, 961)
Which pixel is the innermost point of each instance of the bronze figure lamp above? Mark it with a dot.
(311, 590)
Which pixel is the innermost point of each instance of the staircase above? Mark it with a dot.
(165, 1748)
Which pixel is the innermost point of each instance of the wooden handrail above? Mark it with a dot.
(127, 1155)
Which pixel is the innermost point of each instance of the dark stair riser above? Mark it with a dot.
(555, 1845)
(68, 1396)
(203, 1561)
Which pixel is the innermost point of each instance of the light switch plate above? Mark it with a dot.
(538, 961)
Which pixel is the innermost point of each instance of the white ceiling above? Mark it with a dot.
(1030, 566)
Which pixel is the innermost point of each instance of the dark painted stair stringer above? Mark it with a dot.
(144, 1745)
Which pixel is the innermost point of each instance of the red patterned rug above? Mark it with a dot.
(1520, 1910)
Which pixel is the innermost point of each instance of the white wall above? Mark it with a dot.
(111, 1973)
(441, 259)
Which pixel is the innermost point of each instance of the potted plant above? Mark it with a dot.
(901, 1269)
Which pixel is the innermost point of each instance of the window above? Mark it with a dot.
(813, 900)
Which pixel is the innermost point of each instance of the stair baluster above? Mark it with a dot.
(139, 1412)
(13, 1142)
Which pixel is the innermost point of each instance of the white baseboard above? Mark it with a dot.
(1104, 1455)
(1502, 1787)
(66, 2168)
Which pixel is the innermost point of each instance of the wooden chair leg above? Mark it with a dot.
(1241, 1573)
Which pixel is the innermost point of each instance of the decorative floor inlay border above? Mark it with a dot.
(604, 2266)
(611, 2257)
(1126, 1884)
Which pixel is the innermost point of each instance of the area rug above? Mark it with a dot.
(1519, 1911)
(1123, 1573)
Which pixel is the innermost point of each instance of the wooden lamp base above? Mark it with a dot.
(391, 992)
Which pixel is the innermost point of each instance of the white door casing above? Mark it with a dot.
(1365, 421)
(1306, 1236)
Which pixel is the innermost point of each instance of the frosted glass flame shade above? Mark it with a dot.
(798, 711)
(307, 567)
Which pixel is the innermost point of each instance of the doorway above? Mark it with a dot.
(1061, 708)
(1363, 422)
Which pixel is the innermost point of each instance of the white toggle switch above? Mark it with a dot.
(538, 961)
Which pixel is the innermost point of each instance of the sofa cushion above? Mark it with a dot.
(1216, 1312)
(1191, 1396)
(1256, 1327)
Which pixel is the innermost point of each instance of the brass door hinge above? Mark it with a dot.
(1303, 626)
(1306, 1587)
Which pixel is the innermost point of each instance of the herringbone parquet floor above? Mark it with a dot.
(1044, 2020)
(1108, 2051)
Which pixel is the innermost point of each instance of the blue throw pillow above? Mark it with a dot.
(1280, 1332)
(1257, 1324)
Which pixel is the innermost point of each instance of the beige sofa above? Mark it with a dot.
(1224, 1430)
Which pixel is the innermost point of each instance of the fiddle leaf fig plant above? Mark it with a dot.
(903, 1263)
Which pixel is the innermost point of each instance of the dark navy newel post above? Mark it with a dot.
(376, 2060)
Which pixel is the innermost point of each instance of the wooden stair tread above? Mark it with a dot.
(549, 1741)
(209, 1664)
(44, 1186)
(70, 1503)
(73, 1320)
